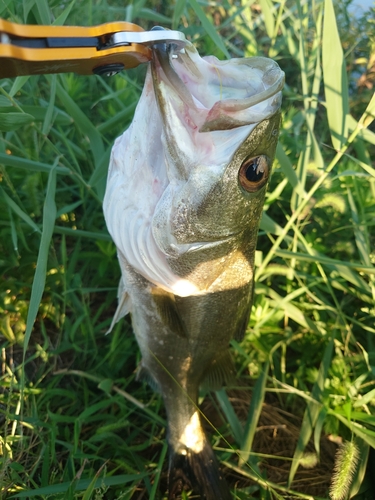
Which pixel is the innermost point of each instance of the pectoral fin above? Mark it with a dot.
(168, 311)
(123, 307)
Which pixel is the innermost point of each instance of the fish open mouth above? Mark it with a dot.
(220, 95)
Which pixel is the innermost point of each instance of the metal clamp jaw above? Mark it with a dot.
(105, 49)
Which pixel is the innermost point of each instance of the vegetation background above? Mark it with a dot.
(75, 423)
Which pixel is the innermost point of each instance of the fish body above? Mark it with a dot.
(184, 197)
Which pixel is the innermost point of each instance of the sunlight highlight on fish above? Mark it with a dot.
(184, 197)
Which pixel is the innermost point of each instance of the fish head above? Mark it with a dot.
(220, 129)
(187, 180)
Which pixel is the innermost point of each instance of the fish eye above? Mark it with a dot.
(254, 173)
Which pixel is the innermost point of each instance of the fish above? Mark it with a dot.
(184, 196)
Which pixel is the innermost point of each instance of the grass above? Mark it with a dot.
(76, 423)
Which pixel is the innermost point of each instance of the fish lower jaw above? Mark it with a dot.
(175, 250)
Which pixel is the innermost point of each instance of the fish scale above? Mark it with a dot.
(187, 250)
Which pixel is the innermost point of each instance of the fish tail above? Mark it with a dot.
(198, 471)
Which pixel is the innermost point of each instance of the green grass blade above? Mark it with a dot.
(49, 216)
(285, 304)
(99, 176)
(269, 21)
(119, 118)
(359, 430)
(46, 464)
(208, 26)
(4, 6)
(17, 210)
(177, 13)
(155, 485)
(318, 429)
(364, 134)
(359, 232)
(270, 486)
(335, 79)
(90, 490)
(18, 83)
(335, 264)
(50, 109)
(366, 168)
(230, 415)
(68, 208)
(33, 166)
(365, 399)
(288, 170)
(151, 15)
(255, 409)
(82, 484)
(269, 225)
(14, 236)
(43, 11)
(78, 233)
(82, 122)
(291, 44)
(312, 411)
(365, 120)
(13, 121)
(360, 472)
(60, 20)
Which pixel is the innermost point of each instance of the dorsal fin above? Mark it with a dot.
(220, 372)
(168, 311)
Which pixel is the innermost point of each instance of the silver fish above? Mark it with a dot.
(184, 197)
